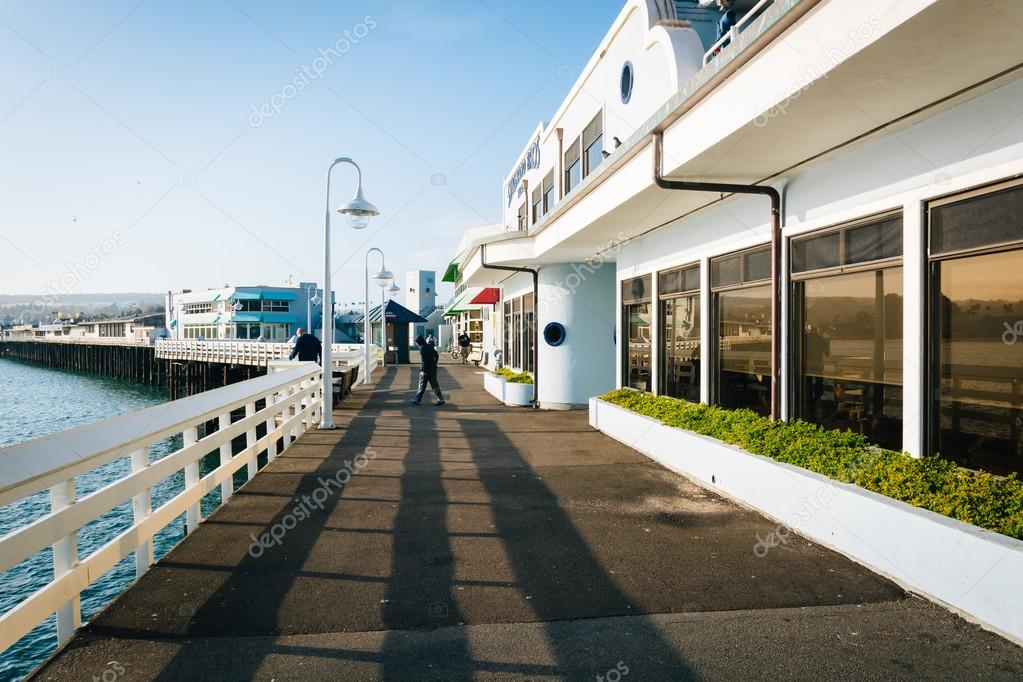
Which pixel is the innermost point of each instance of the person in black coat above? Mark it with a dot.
(307, 347)
(428, 373)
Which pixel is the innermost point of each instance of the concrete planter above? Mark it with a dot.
(515, 395)
(972, 571)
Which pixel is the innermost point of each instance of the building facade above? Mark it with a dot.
(245, 313)
(815, 216)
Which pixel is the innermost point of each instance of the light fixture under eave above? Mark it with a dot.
(383, 278)
(359, 211)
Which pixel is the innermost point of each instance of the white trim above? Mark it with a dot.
(914, 306)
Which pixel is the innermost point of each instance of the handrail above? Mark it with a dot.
(240, 352)
(290, 399)
(82, 340)
(734, 32)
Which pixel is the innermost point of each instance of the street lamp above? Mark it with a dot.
(381, 279)
(359, 212)
(311, 299)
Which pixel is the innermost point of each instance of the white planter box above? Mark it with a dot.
(973, 571)
(515, 395)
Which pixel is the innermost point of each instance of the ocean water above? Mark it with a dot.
(35, 402)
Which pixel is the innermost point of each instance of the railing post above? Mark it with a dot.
(65, 558)
(271, 425)
(141, 507)
(286, 418)
(250, 442)
(190, 436)
(227, 487)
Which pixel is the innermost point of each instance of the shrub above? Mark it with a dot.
(984, 500)
(513, 377)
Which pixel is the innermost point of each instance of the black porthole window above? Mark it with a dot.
(628, 78)
(554, 334)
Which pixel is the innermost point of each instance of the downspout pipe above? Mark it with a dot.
(536, 318)
(775, 197)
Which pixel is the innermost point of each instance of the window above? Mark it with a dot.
(522, 217)
(528, 339)
(537, 205)
(516, 326)
(275, 306)
(636, 361)
(200, 331)
(976, 329)
(593, 144)
(679, 291)
(742, 312)
(197, 308)
(250, 306)
(847, 328)
(549, 199)
(627, 81)
(573, 166)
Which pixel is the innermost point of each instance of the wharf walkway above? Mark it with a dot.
(478, 541)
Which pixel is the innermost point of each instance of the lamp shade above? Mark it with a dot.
(383, 278)
(358, 210)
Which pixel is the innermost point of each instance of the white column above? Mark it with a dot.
(655, 335)
(65, 558)
(141, 507)
(706, 331)
(192, 513)
(914, 305)
(786, 368)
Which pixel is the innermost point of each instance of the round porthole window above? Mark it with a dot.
(554, 334)
(628, 78)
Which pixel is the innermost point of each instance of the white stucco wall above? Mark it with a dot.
(583, 300)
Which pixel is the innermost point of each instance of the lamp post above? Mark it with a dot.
(359, 212)
(381, 279)
(311, 299)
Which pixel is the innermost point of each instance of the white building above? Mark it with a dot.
(245, 313)
(888, 295)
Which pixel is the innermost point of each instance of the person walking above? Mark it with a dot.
(464, 345)
(428, 372)
(307, 347)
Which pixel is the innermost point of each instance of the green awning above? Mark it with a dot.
(245, 296)
(451, 274)
(247, 317)
(459, 304)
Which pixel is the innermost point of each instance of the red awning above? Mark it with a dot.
(488, 295)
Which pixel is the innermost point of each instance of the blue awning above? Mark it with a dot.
(278, 296)
(271, 318)
(245, 296)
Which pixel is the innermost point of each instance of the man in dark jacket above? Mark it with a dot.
(428, 373)
(307, 347)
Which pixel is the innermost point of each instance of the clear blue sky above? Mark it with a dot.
(132, 122)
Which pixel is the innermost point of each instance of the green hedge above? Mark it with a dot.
(514, 377)
(932, 483)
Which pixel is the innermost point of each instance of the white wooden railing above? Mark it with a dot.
(239, 352)
(739, 27)
(84, 340)
(290, 399)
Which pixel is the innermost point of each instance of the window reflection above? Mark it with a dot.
(680, 373)
(744, 348)
(636, 318)
(849, 353)
(977, 392)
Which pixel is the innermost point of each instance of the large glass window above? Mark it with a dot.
(679, 291)
(593, 144)
(549, 196)
(847, 338)
(528, 342)
(636, 301)
(521, 221)
(742, 312)
(976, 324)
(537, 205)
(573, 166)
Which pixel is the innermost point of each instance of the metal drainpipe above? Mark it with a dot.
(536, 318)
(775, 253)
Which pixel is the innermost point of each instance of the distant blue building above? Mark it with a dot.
(244, 313)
